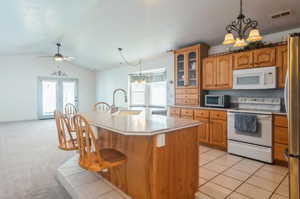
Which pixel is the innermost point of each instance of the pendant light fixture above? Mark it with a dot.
(59, 73)
(241, 26)
(140, 78)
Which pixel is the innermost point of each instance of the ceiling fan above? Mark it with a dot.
(58, 57)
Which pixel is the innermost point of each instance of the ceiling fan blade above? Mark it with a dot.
(69, 58)
(46, 56)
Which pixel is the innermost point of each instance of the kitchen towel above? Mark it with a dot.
(244, 122)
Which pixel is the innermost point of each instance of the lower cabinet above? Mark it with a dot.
(203, 131)
(280, 130)
(213, 131)
(218, 133)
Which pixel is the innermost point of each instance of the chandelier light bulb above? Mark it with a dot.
(254, 36)
(229, 39)
(240, 43)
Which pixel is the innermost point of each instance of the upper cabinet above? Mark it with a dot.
(264, 57)
(243, 60)
(255, 58)
(188, 62)
(217, 73)
(187, 66)
(282, 64)
(180, 72)
(224, 72)
(192, 70)
(208, 73)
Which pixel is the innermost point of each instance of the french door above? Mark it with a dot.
(54, 94)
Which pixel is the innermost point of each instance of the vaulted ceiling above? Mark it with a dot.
(92, 30)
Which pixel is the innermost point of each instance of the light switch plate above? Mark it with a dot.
(160, 140)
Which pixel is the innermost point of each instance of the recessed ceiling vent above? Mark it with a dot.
(281, 14)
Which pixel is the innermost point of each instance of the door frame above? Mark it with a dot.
(59, 94)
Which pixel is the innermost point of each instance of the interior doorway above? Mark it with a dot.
(54, 94)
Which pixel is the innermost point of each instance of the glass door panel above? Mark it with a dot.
(48, 98)
(192, 69)
(70, 92)
(180, 70)
(54, 94)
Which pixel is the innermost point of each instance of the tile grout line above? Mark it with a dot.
(245, 182)
(220, 174)
(273, 193)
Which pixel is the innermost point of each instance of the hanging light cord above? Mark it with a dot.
(127, 62)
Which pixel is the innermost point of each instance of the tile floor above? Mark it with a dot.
(227, 176)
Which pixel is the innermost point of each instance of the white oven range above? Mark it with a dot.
(252, 145)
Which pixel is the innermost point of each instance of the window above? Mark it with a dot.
(151, 94)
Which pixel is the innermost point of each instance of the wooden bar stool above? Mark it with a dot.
(67, 141)
(70, 111)
(92, 157)
(101, 106)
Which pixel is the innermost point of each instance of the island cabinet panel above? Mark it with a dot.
(155, 172)
(282, 64)
(243, 60)
(264, 57)
(280, 130)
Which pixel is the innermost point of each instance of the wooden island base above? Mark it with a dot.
(151, 172)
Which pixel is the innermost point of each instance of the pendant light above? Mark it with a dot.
(140, 78)
(241, 26)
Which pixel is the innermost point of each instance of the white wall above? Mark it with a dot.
(18, 85)
(117, 77)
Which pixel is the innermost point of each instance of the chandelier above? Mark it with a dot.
(59, 73)
(140, 78)
(241, 26)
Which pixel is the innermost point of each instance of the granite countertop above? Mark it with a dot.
(141, 124)
(223, 109)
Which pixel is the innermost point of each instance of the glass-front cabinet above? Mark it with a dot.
(180, 73)
(192, 68)
(187, 65)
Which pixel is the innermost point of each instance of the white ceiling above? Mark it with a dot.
(92, 30)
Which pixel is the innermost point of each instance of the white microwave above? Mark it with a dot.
(256, 78)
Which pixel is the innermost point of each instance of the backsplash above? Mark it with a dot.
(234, 94)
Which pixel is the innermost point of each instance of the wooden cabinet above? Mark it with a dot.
(187, 74)
(218, 133)
(208, 73)
(217, 73)
(187, 96)
(264, 57)
(213, 131)
(218, 129)
(243, 60)
(174, 112)
(224, 72)
(280, 128)
(255, 58)
(282, 64)
(180, 69)
(203, 131)
(187, 113)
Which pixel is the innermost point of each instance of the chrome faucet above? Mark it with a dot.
(113, 106)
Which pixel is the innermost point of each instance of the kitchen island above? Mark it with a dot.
(162, 154)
